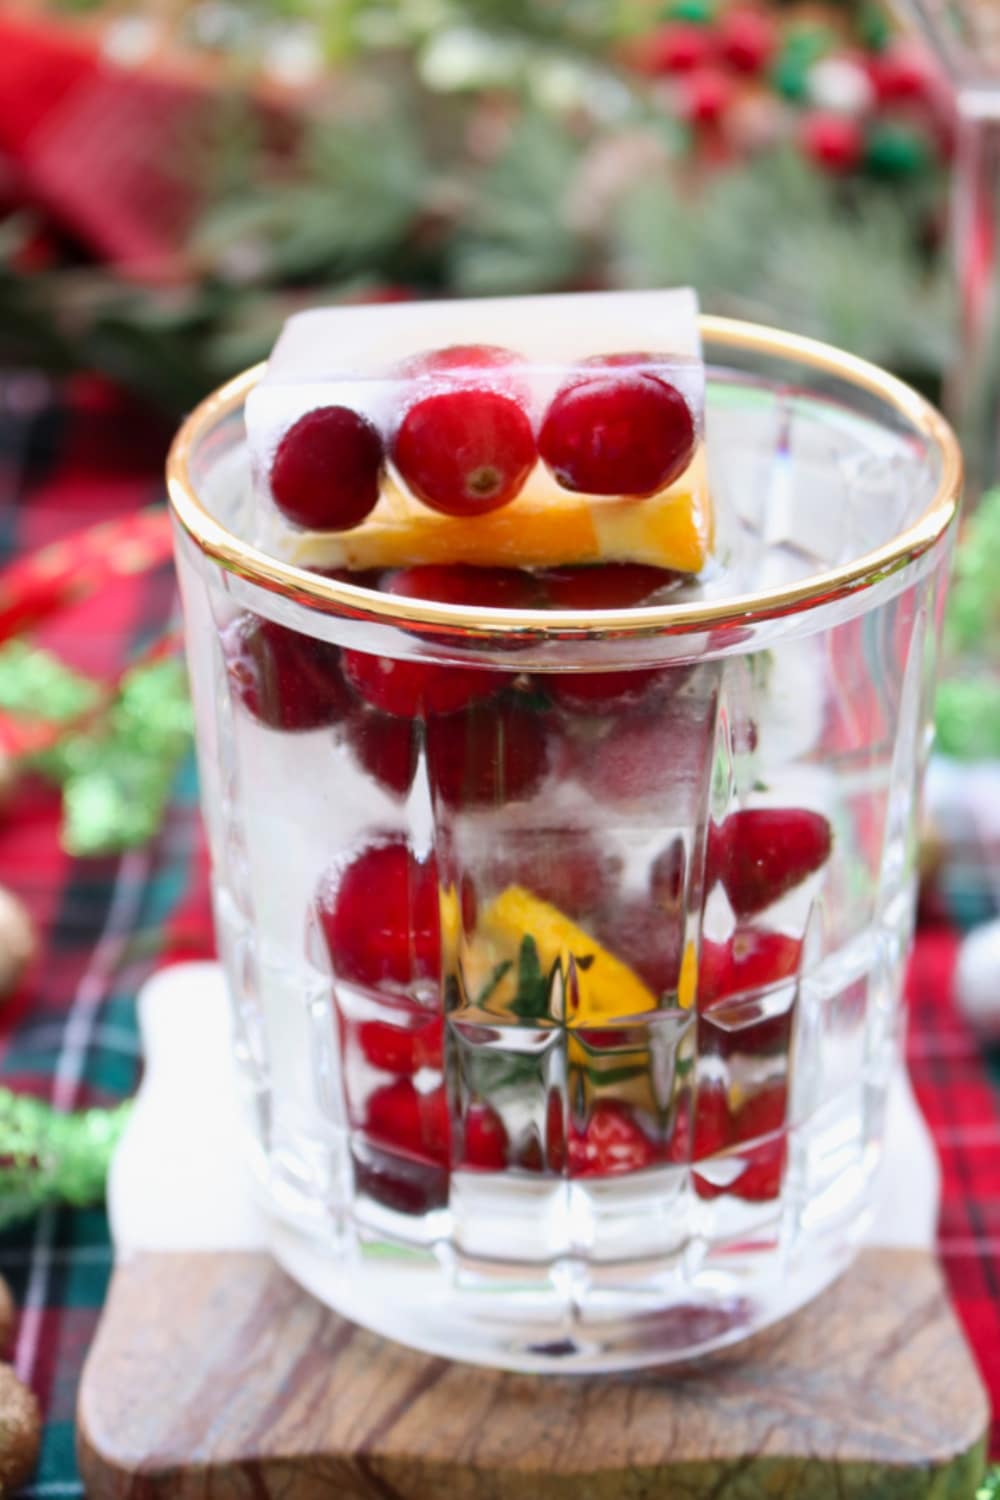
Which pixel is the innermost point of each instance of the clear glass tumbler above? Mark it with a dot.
(565, 1003)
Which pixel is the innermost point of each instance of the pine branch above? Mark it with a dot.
(516, 239)
(780, 243)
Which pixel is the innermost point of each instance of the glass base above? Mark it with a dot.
(576, 1319)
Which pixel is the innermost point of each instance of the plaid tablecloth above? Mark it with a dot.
(105, 924)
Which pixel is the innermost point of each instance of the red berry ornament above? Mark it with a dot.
(833, 142)
(677, 47)
(706, 94)
(325, 471)
(381, 918)
(902, 74)
(617, 429)
(283, 679)
(746, 40)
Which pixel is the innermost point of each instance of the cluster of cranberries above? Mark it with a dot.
(488, 741)
(380, 921)
(464, 440)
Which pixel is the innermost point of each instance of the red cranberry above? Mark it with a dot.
(763, 1114)
(646, 938)
(284, 679)
(746, 39)
(610, 1144)
(466, 451)
(718, 1126)
(485, 1145)
(486, 757)
(410, 689)
(325, 471)
(644, 757)
(762, 853)
(402, 1050)
(713, 1125)
(750, 960)
(617, 429)
(481, 364)
(833, 142)
(496, 588)
(397, 1115)
(555, 1131)
(603, 692)
(385, 747)
(381, 918)
(402, 1183)
(667, 876)
(604, 585)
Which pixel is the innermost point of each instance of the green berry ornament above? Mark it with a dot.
(897, 151)
(696, 12)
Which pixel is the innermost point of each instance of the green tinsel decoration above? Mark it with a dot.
(116, 778)
(117, 765)
(36, 684)
(47, 1156)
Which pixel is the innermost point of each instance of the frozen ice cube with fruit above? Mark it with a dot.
(529, 432)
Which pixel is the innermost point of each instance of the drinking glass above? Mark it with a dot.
(564, 1009)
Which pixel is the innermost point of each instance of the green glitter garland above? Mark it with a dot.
(34, 682)
(116, 779)
(117, 758)
(50, 1157)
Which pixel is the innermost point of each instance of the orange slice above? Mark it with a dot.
(597, 986)
(544, 527)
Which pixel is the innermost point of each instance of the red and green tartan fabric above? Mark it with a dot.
(106, 924)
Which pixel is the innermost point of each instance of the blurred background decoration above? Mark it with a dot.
(176, 177)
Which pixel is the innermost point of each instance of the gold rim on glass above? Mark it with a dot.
(333, 596)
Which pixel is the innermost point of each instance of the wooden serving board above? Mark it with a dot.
(214, 1375)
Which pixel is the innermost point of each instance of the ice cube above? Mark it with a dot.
(356, 357)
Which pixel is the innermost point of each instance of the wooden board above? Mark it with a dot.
(213, 1375)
